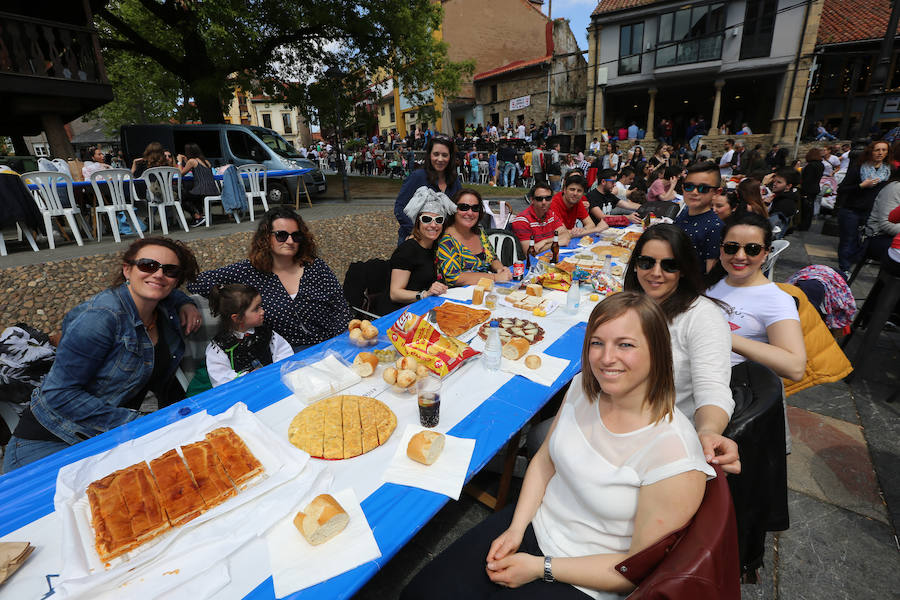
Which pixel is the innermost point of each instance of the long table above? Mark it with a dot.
(394, 512)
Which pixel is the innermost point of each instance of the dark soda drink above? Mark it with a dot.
(429, 409)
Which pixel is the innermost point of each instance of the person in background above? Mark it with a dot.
(243, 343)
(663, 189)
(745, 129)
(95, 161)
(697, 218)
(594, 148)
(464, 254)
(602, 485)
(809, 186)
(538, 222)
(474, 168)
(569, 207)
(507, 164)
(537, 163)
(204, 183)
(603, 203)
(413, 271)
(749, 192)
(301, 296)
(725, 163)
(784, 201)
(440, 174)
(822, 133)
(776, 158)
(844, 164)
(879, 226)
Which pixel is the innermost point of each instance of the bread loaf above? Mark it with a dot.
(356, 336)
(406, 363)
(321, 520)
(515, 348)
(354, 324)
(534, 289)
(486, 283)
(422, 371)
(533, 361)
(405, 378)
(365, 364)
(425, 447)
(477, 295)
(369, 331)
(390, 375)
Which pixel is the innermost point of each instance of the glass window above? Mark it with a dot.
(288, 125)
(894, 82)
(690, 34)
(267, 120)
(245, 147)
(665, 27)
(759, 27)
(682, 24)
(631, 38)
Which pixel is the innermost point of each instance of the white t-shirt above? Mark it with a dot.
(218, 364)
(754, 309)
(845, 161)
(725, 164)
(620, 190)
(830, 164)
(590, 502)
(701, 345)
(520, 132)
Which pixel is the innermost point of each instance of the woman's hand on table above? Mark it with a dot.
(437, 288)
(516, 570)
(720, 450)
(190, 318)
(503, 275)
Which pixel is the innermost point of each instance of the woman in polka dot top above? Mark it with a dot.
(301, 295)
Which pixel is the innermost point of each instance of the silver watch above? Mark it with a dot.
(548, 570)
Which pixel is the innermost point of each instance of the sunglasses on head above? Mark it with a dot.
(282, 236)
(645, 263)
(701, 188)
(752, 249)
(463, 207)
(428, 219)
(148, 265)
(543, 198)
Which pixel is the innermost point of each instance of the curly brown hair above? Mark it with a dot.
(155, 155)
(186, 259)
(261, 244)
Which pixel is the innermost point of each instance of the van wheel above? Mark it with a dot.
(278, 193)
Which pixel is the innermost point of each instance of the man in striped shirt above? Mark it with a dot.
(538, 222)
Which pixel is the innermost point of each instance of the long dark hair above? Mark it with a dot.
(261, 244)
(690, 283)
(450, 174)
(193, 151)
(230, 299)
(750, 196)
(718, 272)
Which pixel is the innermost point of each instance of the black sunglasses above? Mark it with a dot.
(543, 198)
(752, 249)
(701, 188)
(461, 207)
(282, 236)
(428, 219)
(645, 263)
(148, 265)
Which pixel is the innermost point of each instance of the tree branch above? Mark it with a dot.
(137, 43)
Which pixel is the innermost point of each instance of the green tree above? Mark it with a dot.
(213, 46)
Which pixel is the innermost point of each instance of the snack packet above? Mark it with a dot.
(413, 336)
(556, 279)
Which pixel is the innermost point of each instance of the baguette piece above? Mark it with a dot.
(534, 289)
(515, 348)
(487, 283)
(533, 361)
(477, 295)
(365, 364)
(321, 520)
(425, 447)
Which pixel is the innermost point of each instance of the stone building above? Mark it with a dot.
(549, 87)
(263, 111)
(744, 61)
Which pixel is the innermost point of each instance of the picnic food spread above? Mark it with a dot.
(342, 427)
(511, 327)
(415, 337)
(456, 319)
(425, 447)
(134, 505)
(321, 520)
(522, 299)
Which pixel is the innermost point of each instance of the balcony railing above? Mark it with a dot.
(39, 48)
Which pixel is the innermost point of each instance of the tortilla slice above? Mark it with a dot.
(333, 442)
(351, 426)
(367, 413)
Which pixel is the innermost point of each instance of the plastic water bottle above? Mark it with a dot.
(607, 266)
(492, 347)
(573, 298)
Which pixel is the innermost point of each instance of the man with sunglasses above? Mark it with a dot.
(538, 222)
(603, 202)
(697, 218)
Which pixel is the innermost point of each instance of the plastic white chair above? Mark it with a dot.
(161, 178)
(778, 246)
(47, 197)
(255, 173)
(500, 241)
(501, 218)
(116, 180)
(209, 200)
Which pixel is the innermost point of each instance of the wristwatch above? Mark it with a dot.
(419, 295)
(548, 570)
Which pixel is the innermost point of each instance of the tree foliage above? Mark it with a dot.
(212, 47)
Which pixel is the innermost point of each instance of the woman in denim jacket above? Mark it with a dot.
(117, 346)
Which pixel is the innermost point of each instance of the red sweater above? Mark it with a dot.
(894, 217)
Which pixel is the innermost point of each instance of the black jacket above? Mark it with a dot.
(850, 195)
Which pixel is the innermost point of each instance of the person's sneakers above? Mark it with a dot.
(199, 222)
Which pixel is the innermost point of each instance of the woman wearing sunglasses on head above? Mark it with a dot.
(413, 270)
(665, 266)
(119, 345)
(301, 296)
(464, 254)
(764, 320)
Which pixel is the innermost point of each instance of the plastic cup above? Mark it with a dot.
(428, 393)
(490, 301)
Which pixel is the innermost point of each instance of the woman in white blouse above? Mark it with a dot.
(601, 487)
(665, 266)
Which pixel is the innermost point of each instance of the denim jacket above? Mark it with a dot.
(104, 358)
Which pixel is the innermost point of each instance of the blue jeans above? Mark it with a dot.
(849, 222)
(509, 174)
(778, 220)
(474, 177)
(21, 452)
(825, 136)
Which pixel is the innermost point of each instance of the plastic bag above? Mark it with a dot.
(413, 336)
(318, 376)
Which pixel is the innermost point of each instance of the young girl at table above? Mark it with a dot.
(601, 487)
(243, 343)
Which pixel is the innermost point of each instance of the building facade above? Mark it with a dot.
(264, 111)
(732, 63)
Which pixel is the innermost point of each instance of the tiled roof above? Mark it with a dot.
(608, 6)
(513, 66)
(852, 20)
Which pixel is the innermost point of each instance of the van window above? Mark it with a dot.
(245, 147)
(278, 144)
(208, 140)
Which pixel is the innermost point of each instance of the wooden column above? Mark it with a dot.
(651, 113)
(717, 106)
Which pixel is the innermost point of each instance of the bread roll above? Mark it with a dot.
(365, 364)
(407, 363)
(369, 331)
(405, 378)
(425, 447)
(477, 295)
(534, 289)
(321, 520)
(390, 375)
(357, 337)
(354, 324)
(533, 361)
(515, 348)
(422, 371)
(486, 283)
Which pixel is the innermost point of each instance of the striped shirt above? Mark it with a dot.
(527, 225)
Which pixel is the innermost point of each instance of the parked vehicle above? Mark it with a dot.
(231, 144)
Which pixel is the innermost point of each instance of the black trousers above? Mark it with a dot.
(459, 571)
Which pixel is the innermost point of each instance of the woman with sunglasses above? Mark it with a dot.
(665, 266)
(301, 296)
(764, 320)
(122, 343)
(439, 174)
(413, 270)
(464, 254)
